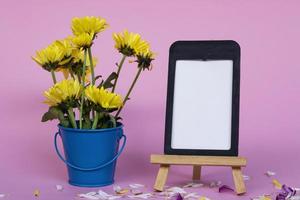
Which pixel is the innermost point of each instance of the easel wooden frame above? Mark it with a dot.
(165, 161)
(202, 50)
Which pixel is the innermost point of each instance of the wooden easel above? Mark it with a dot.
(197, 161)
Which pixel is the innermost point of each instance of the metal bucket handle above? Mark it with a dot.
(88, 169)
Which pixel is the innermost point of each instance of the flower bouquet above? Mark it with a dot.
(87, 107)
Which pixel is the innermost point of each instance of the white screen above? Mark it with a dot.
(202, 105)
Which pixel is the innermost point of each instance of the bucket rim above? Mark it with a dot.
(119, 126)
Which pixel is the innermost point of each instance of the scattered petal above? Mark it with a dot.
(87, 196)
(270, 173)
(263, 197)
(103, 195)
(59, 187)
(215, 184)
(179, 197)
(167, 194)
(218, 183)
(286, 193)
(193, 185)
(225, 188)
(36, 193)
(192, 195)
(295, 198)
(188, 185)
(176, 190)
(267, 197)
(123, 191)
(136, 192)
(141, 196)
(212, 184)
(196, 185)
(276, 184)
(91, 193)
(120, 190)
(117, 188)
(136, 185)
(246, 177)
(112, 197)
(204, 198)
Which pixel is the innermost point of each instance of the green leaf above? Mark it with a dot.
(48, 116)
(56, 113)
(64, 122)
(118, 119)
(87, 124)
(108, 121)
(100, 85)
(97, 77)
(113, 121)
(52, 113)
(108, 82)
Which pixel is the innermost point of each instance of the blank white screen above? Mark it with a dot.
(202, 105)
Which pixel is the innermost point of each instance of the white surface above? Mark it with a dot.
(202, 105)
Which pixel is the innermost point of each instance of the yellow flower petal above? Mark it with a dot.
(103, 97)
(49, 57)
(62, 91)
(277, 184)
(83, 40)
(90, 25)
(129, 44)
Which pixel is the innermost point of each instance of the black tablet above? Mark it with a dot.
(202, 112)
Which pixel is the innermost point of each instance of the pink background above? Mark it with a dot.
(269, 35)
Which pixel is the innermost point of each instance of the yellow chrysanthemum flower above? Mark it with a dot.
(63, 91)
(90, 25)
(145, 58)
(83, 41)
(77, 59)
(50, 57)
(129, 44)
(65, 45)
(103, 98)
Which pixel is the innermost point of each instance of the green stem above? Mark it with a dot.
(53, 76)
(92, 73)
(91, 66)
(95, 121)
(129, 91)
(118, 72)
(79, 78)
(82, 83)
(72, 75)
(72, 117)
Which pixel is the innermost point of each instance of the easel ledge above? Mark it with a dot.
(197, 161)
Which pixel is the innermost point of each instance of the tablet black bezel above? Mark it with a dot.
(204, 50)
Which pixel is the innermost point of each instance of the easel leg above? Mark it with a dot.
(196, 172)
(238, 180)
(161, 177)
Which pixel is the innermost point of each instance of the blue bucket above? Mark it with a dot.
(90, 155)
